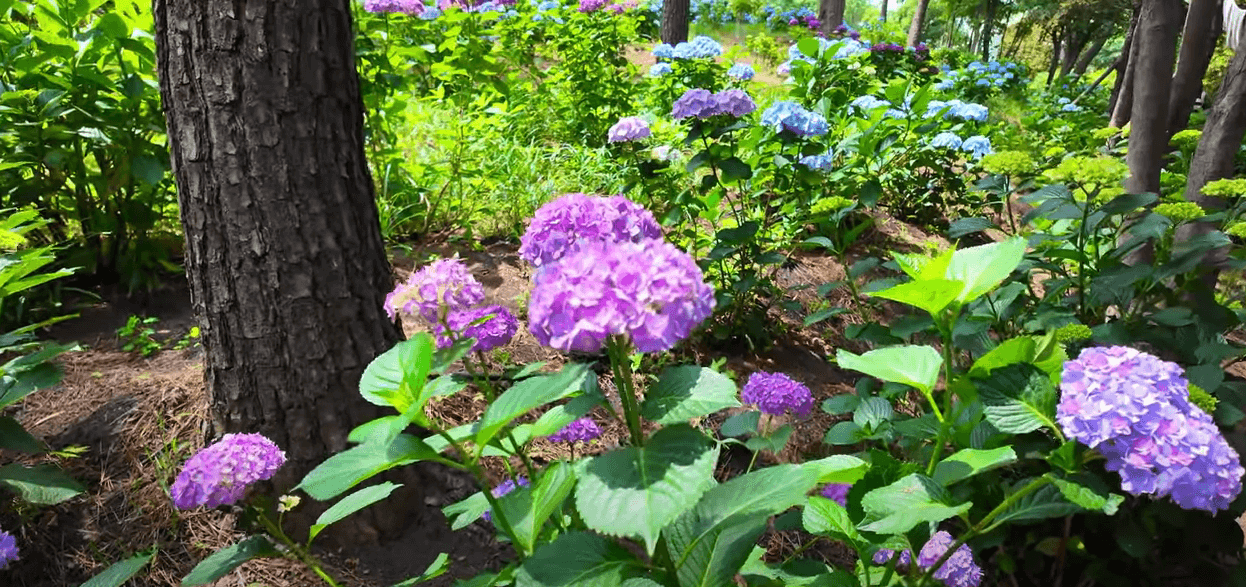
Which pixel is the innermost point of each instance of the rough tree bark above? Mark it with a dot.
(1122, 64)
(1122, 107)
(283, 247)
(831, 14)
(1198, 42)
(919, 19)
(1148, 140)
(675, 17)
(1213, 158)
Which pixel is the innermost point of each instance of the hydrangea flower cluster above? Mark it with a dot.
(659, 69)
(1180, 212)
(741, 71)
(504, 488)
(775, 18)
(821, 162)
(984, 77)
(649, 290)
(702, 47)
(837, 492)
(561, 225)
(220, 473)
(629, 128)
(699, 103)
(492, 326)
(790, 116)
(1012, 163)
(394, 6)
(8, 549)
(867, 103)
(592, 5)
(441, 286)
(977, 146)
(883, 556)
(776, 394)
(581, 430)
(959, 570)
(1135, 410)
(947, 140)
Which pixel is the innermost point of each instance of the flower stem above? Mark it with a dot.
(945, 419)
(616, 348)
(301, 553)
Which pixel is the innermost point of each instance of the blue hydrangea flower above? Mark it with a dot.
(430, 13)
(664, 51)
(581, 430)
(701, 47)
(977, 146)
(895, 114)
(821, 162)
(741, 71)
(659, 69)
(1070, 108)
(790, 116)
(868, 103)
(776, 394)
(944, 85)
(968, 111)
(946, 140)
(933, 108)
(219, 474)
(959, 570)
(8, 549)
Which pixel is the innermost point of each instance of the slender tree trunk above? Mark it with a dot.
(1099, 80)
(1148, 139)
(1056, 44)
(919, 19)
(284, 254)
(1083, 62)
(988, 26)
(882, 12)
(675, 18)
(1214, 157)
(1122, 64)
(1198, 42)
(1072, 49)
(831, 13)
(1123, 107)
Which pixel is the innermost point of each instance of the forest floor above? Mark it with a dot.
(140, 418)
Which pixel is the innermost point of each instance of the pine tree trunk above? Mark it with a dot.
(831, 14)
(1198, 42)
(676, 15)
(1214, 156)
(1148, 140)
(919, 19)
(283, 247)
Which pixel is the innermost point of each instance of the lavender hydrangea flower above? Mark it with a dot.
(441, 286)
(8, 549)
(1135, 410)
(695, 103)
(581, 430)
(628, 128)
(776, 393)
(492, 326)
(220, 473)
(504, 488)
(398, 6)
(837, 492)
(592, 5)
(560, 226)
(741, 71)
(959, 570)
(650, 291)
(884, 555)
(659, 69)
(734, 102)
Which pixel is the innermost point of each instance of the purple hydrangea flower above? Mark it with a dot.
(837, 492)
(561, 226)
(8, 549)
(650, 291)
(1135, 410)
(400, 6)
(492, 326)
(629, 128)
(776, 393)
(220, 473)
(695, 103)
(504, 488)
(592, 5)
(959, 570)
(883, 556)
(441, 286)
(581, 430)
(734, 102)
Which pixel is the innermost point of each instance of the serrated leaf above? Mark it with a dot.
(120, 572)
(744, 423)
(352, 466)
(841, 404)
(843, 433)
(1036, 350)
(351, 504)
(528, 509)
(826, 517)
(526, 395)
(968, 462)
(711, 542)
(1045, 502)
(984, 267)
(932, 295)
(917, 366)
(687, 392)
(636, 491)
(41, 484)
(773, 442)
(395, 377)
(901, 506)
(14, 437)
(838, 469)
(1088, 498)
(1018, 398)
(577, 559)
(462, 513)
(229, 558)
(558, 417)
(871, 412)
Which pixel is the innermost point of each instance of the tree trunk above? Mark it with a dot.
(1148, 139)
(988, 25)
(1122, 64)
(882, 12)
(1055, 57)
(1123, 107)
(1073, 47)
(284, 255)
(919, 18)
(1083, 62)
(831, 14)
(675, 18)
(1198, 42)
(1213, 159)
